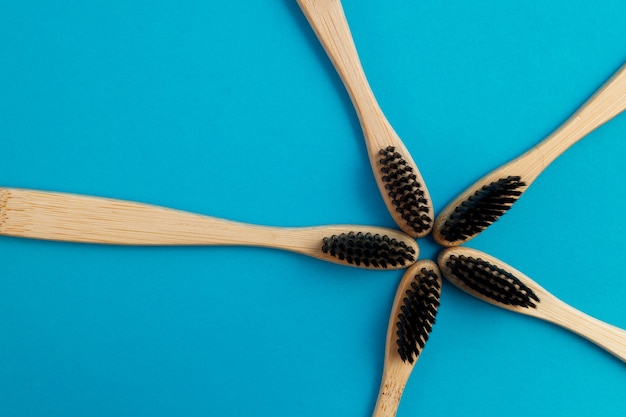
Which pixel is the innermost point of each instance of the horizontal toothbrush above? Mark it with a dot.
(399, 181)
(495, 282)
(86, 219)
(490, 197)
(410, 324)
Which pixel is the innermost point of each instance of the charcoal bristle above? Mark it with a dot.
(368, 249)
(405, 191)
(417, 317)
(482, 208)
(491, 281)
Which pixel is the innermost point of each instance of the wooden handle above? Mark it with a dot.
(608, 337)
(77, 218)
(605, 104)
(395, 377)
(329, 23)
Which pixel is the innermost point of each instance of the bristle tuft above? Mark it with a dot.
(491, 281)
(406, 193)
(368, 249)
(482, 209)
(418, 311)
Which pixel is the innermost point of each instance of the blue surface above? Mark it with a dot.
(232, 109)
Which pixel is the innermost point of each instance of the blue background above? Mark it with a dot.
(232, 109)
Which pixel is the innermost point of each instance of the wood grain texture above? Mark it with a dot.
(328, 20)
(608, 102)
(87, 219)
(548, 308)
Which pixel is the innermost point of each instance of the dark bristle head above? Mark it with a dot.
(368, 249)
(417, 317)
(405, 191)
(491, 281)
(482, 208)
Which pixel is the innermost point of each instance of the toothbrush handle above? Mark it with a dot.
(329, 23)
(395, 378)
(79, 218)
(608, 102)
(608, 337)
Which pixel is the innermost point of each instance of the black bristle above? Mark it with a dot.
(368, 249)
(406, 193)
(491, 281)
(417, 317)
(483, 208)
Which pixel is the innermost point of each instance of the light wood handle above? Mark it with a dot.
(605, 104)
(329, 23)
(608, 337)
(79, 218)
(395, 378)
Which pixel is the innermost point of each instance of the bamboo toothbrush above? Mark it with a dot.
(397, 176)
(497, 283)
(78, 218)
(411, 321)
(490, 197)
